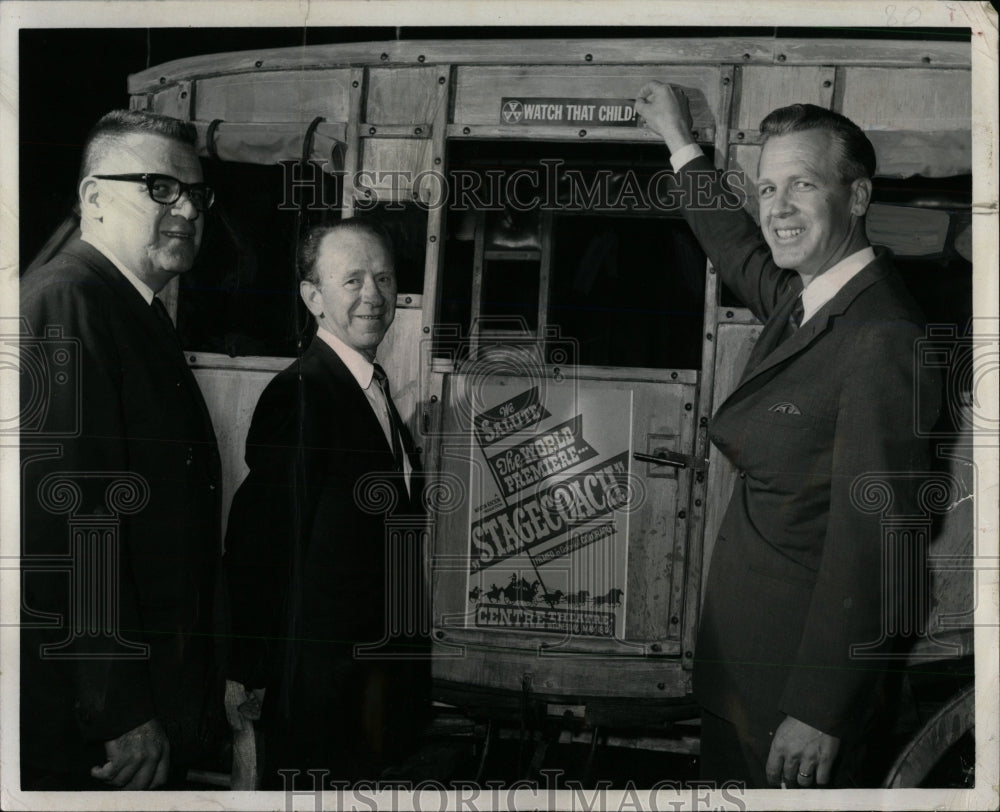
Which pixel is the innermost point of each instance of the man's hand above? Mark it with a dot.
(665, 110)
(242, 704)
(138, 759)
(801, 754)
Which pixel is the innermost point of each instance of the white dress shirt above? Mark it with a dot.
(364, 373)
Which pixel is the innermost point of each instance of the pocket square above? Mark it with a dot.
(785, 408)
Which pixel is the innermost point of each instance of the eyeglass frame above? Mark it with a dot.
(149, 178)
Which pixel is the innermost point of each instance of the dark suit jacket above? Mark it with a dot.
(796, 573)
(134, 410)
(307, 570)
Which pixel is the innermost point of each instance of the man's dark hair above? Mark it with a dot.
(310, 245)
(857, 155)
(109, 133)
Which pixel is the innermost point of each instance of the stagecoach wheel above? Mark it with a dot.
(935, 742)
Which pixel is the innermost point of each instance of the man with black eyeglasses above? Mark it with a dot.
(120, 480)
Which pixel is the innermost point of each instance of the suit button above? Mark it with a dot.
(211, 487)
(743, 474)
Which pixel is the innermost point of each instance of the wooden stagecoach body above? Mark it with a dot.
(387, 116)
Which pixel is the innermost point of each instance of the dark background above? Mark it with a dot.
(69, 78)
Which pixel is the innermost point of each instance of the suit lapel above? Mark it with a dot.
(343, 384)
(133, 302)
(768, 354)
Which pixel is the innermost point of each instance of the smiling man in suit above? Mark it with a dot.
(827, 396)
(129, 445)
(306, 559)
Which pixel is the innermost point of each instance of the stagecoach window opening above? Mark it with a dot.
(241, 297)
(568, 237)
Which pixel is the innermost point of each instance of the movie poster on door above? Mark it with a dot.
(548, 535)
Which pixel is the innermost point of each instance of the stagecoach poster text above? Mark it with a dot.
(549, 511)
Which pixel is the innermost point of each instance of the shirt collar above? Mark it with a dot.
(361, 368)
(829, 283)
(144, 290)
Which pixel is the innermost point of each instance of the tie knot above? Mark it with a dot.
(379, 375)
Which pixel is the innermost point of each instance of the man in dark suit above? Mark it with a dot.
(121, 478)
(312, 568)
(827, 397)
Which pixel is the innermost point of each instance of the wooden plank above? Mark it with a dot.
(175, 101)
(499, 51)
(766, 87)
(888, 53)
(480, 90)
(231, 396)
(704, 135)
(921, 100)
(411, 131)
(390, 165)
(352, 149)
(701, 50)
(272, 96)
(430, 392)
(733, 346)
(402, 95)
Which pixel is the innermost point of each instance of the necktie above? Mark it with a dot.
(395, 423)
(164, 317)
(794, 319)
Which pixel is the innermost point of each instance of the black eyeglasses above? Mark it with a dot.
(168, 190)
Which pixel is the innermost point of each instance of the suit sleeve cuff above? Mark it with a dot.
(684, 156)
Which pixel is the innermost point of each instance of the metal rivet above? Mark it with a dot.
(355, 83)
(675, 620)
(437, 161)
(729, 314)
(441, 80)
(697, 502)
(708, 336)
(432, 238)
(384, 57)
(421, 58)
(673, 376)
(582, 133)
(184, 94)
(688, 655)
(703, 421)
(434, 398)
(427, 329)
(746, 57)
(662, 686)
(589, 58)
(725, 80)
(466, 131)
(192, 359)
(782, 57)
(371, 131)
(740, 136)
(700, 477)
(688, 407)
(417, 130)
(408, 300)
(926, 60)
(682, 514)
(258, 63)
(656, 647)
(163, 80)
(439, 634)
(827, 83)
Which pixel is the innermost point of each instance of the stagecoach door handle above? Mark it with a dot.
(671, 458)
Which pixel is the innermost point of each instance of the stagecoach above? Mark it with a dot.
(561, 341)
